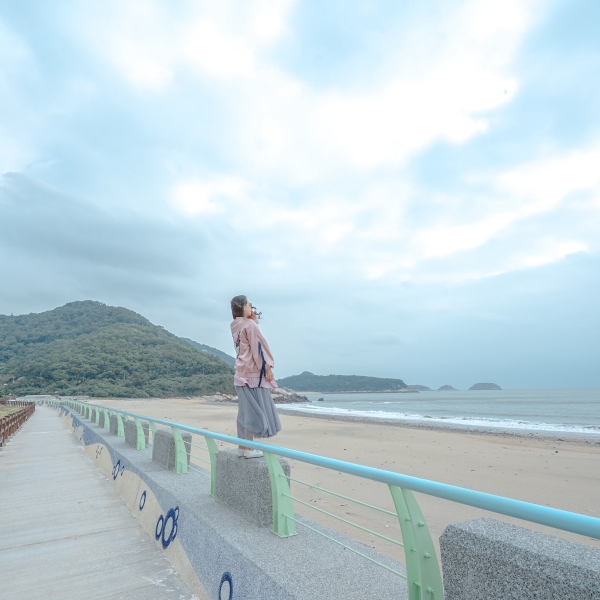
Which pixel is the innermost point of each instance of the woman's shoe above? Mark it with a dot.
(240, 452)
(252, 453)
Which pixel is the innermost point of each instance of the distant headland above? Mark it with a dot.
(485, 386)
(309, 382)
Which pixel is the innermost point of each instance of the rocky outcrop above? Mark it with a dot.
(447, 388)
(485, 386)
(281, 396)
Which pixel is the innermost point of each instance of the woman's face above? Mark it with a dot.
(247, 309)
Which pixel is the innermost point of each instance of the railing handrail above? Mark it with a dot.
(527, 511)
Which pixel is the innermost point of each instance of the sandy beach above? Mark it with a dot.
(560, 472)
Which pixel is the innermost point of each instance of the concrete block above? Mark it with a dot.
(163, 447)
(114, 424)
(101, 419)
(490, 559)
(244, 486)
(131, 432)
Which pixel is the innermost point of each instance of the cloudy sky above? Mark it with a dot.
(405, 189)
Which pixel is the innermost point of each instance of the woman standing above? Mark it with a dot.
(257, 415)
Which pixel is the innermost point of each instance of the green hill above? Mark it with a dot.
(308, 382)
(229, 360)
(89, 348)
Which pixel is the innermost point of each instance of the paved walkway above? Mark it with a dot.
(64, 530)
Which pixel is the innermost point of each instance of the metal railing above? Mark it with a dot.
(10, 423)
(422, 567)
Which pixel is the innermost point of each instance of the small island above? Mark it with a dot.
(485, 386)
(447, 388)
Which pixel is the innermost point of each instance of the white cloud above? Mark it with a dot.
(288, 126)
(148, 41)
(206, 197)
(556, 252)
(291, 127)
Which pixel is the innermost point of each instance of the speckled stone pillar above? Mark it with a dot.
(114, 424)
(490, 559)
(244, 486)
(131, 432)
(163, 447)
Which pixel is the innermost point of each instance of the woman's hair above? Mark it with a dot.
(237, 308)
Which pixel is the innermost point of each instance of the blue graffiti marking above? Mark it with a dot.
(143, 500)
(166, 527)
(118, 469)
(160, 525)
(226, 578)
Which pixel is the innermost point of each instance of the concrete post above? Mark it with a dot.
(486, 558)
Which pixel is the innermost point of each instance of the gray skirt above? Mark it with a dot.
(257, 415)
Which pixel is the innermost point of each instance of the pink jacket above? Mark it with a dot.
(252, 351)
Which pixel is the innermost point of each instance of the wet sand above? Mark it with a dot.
(521, 466)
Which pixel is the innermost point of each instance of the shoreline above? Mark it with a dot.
(576, 438)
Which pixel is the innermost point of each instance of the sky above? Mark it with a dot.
(404, 189)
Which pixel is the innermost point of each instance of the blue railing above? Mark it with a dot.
(423, 574)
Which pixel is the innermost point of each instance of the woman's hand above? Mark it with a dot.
(269, 374)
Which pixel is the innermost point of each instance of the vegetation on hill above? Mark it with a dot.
(447, 388)
(89, 348)
(229, 360)
(308, 382)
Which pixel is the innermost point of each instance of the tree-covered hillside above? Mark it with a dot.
(229, 360)
(307, 382)
(89, 348)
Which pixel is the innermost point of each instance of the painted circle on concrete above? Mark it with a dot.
(170, 527)
(160, 525)
(143, 500)
(226, 584)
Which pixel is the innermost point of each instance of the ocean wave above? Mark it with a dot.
(454, 420)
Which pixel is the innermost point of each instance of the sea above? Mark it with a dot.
(550, 412)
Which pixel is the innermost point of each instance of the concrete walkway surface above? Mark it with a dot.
(64, 530)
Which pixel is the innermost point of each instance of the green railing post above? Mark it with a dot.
(120, 428)
(212, 451)
(283, 504)
(97, 415)
(422, 568)
(181, 462)
(140, 438)
(153, 429)
(106, 419)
